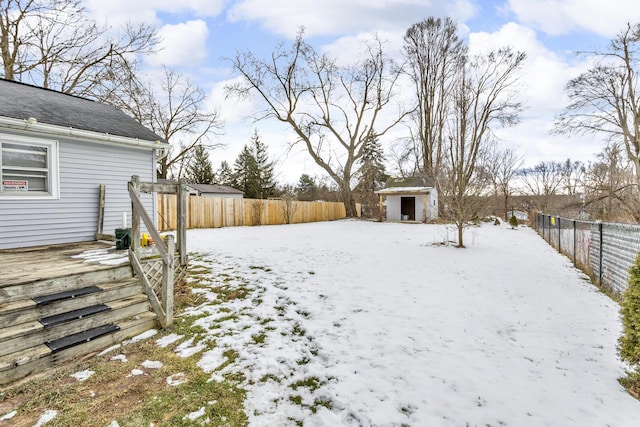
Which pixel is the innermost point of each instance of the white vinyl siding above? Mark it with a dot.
(73, 217)
(28, 168)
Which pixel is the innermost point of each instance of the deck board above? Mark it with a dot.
(24, 265)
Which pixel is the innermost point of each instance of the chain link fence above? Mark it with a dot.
(604, 251)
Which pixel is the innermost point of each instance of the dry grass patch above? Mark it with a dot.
(114, 393)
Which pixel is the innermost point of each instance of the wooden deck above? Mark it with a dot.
(24, 265)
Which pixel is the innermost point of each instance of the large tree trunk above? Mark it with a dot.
(349, 202)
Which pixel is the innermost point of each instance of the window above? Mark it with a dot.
(28, 167)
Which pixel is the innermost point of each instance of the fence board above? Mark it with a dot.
(216, 212)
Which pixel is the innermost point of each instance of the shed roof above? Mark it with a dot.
(215, 188)
(411, 181)
(22, 101)
(405, 190)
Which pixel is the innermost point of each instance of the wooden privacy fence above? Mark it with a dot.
(216, 212)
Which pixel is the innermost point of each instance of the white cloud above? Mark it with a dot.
(338, 17)
(183, 44)
(118, 12)
(556, 17)
(544, 76)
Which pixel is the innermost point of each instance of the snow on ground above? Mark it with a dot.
(358, 323)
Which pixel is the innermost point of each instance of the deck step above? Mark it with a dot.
(73, 293)
(69, 316)
(81, 337)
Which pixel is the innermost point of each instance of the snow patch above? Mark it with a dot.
(8, 415)
(187, 349)
(46, 417)
(135, 373)
(168, 340)
(109, 350)
(82, 375)
(192, 416)
(176, 379)
(149, 364)
(120, 357)
(142, 336)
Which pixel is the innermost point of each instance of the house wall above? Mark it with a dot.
(83, 166)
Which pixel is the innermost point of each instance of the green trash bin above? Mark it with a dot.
(123, 238)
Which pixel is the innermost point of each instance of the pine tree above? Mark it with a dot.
(372, 174)
(307, 189)
(629, 344)
(199, 169)
(225, 174)
(253, 172)
(264, 166)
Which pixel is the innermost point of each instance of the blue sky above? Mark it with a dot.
(198, 34)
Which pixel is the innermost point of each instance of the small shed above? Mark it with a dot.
(214, 190)
(56, 153)
(410, 199)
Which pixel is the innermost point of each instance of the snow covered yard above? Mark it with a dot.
(357, 323)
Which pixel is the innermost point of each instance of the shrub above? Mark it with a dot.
(513, 221)
(629, 343)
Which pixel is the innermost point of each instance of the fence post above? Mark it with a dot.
(600, 255)
(559, 232)
(135, 216)
(575, 241)
(167, 281)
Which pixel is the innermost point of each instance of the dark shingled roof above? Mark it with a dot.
(21, 101)
(215, 188)
(413, 181)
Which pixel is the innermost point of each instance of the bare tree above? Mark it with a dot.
(288, 206)
(55, 44)
(605, 100)
(572, 176)
(332, 109)
(176, 110)
(483, 97)
(502, 167)
(544, 179)
(434, 53)
(609, 186)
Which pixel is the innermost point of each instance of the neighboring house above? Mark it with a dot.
(214, 190)
(55, 151)
(410, 199)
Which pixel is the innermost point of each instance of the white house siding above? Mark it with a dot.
(83, 166)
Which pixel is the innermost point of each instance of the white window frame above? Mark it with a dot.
(53, 192)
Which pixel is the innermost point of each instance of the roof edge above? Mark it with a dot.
(34, 126)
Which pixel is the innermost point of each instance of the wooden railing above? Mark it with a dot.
(163, 306)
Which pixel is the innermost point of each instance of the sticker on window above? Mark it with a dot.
(13, 185)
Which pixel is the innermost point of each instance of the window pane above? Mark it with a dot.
(13, 181)
(24, 158)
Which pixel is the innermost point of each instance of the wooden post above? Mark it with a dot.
(182, 223)
(101, 211)
(167, 282)
(135, 215)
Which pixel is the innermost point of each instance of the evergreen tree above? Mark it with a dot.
(199, 169)
(629, 344)
(253, 171)
(372, 174)
(245, 174)
(307, 189)
(225, 175)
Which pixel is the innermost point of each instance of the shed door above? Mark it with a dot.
(408, 208)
